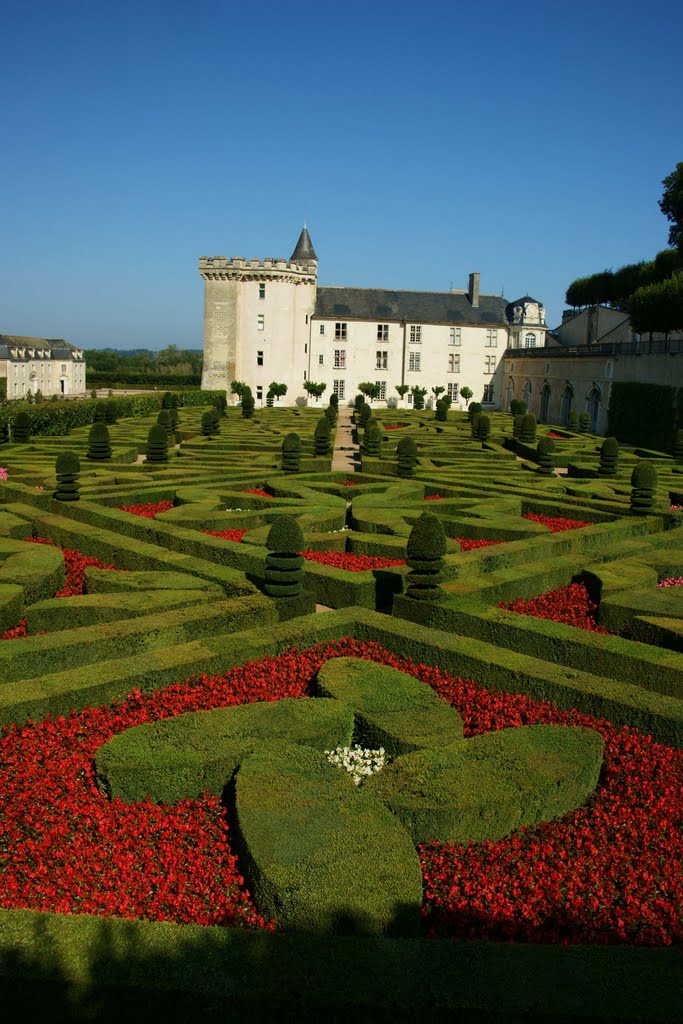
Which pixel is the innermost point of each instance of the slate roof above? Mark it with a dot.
(53, 345)
(304, 248)
(419, 307)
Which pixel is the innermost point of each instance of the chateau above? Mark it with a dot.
(49, 365)
(269, 320)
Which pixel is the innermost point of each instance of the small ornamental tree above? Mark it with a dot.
(100, 415)
(322, 437)
(544, 456)
(584, 422)
(247, 403)
(369, 389)
(517, 425)
(291, 453)
(237, 387)
(473, 409)
(284, 564)
(466, 393)
(517, 407)
(643, 486)
(439, 390)
(573, 419)
(406, 456)
(528, 431)
(678, 446)
(447, 400)
(22, 427)
(68, 468)
(441, 411)
(210, 423)
(364, 415)
(418, 397)
(316, 390)
(426, 548)
(276, 390)
(402, 389)
(221, 403)
(157, 445)
(99, 446)
(609, 457)
(484, 427)
(110, 412)
(373, 440)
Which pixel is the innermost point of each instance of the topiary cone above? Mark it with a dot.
(291, 453)
(484, 427)
(99, 446)
(474, 424)
(584, 422)
(373, 441)
(544, 456)
(68, 467)
(100, 415)
(517, 425)
(322, 437)
(157, 444)
(22, 427)
(528, 432)
(609, 457)
(643, 485)
(284, 563)
(406, 456)
(441, 411)
(165, 418)
(426, 548)
(210, 423)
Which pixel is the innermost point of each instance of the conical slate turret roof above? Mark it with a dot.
(304, 248)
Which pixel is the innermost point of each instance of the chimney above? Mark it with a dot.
(473, 289)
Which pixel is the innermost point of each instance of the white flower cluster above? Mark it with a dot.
(359, 763)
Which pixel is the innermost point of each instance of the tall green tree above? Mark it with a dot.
(671, 205)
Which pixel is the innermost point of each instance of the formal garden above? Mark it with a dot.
(280, 739)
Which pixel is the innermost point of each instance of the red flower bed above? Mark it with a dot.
(75, 564)
(349, 483)
(471, 545)
(433, 497)
(16, 632)
(556, 524)
(610, 872)
(150, 510)
(570, 605)
(672, 581)
(393, 426)
(235, 535)
(257, 490)
(551, 433)
(347, 560)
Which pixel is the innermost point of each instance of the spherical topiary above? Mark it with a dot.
(441, 410)
(609, 457)
(110, 411)
(584, 422)
(291, 453)
(406, 456)
(210, 423)
(373, 439)
(678, 446)
(284, 563)
(573, 419)
(68, 467)
(484, 427)
(99, 446)
(544, 456)
(474, 424)
(322, 436)
(364, 415)
(165, 418)
(100, 414)
(643, 485)
(472, 409)
(426, 548)
(157, 444)
(517, 425)
(247, 403)
(528, 432)
(22, 427)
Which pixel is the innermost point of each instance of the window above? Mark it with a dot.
(383, 332)
(261, 322)
(259, 393)
(490, 364)
(262, 291)
(382, 385)
(340, 332)
(409, 396)
(452, 391)
(382, 361)
(415, 334)
(306, 349)
(455, 336)
(321, 359)
(322, 328)
(414, 361)
(338, 387)
(530, 341)
(491, 338)
(454, 362)
(340, 358)
(304, 376)
(63, 367)
(259, 358)
(488, 393)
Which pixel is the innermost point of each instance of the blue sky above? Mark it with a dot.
(420, 142)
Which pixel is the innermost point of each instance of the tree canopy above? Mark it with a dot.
(671, 205)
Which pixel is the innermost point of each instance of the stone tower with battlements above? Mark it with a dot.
(256, 318)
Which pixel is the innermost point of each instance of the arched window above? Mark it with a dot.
(567, 401)
(593, 402)
(545, 399)
(526, 394)
(530, 340)
(510, 392)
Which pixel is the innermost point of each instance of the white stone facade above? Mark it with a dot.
(49, 365)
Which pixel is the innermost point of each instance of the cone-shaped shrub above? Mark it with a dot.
(110, 411)
(406, 456)
(165, 418)
(573, 419)
(517, 425)
(528, 432)
(22, 427)
(167, 400)
(157, 444)
(284, 564)
(643, 485)
(678, 446)
(100, 415)
(68, 467)
(247, 403)
(517, 407)
(441, 410)
(544, 456)
(472, 409)
(373, 440)
(474, 424)
(331, 416)
(484, 427)
(322, 436)
(584, 422)
(426, 548)
(291, 453)
(609, 457)
(364, 414)
(210, 423)
(358, 403)
(221, 404)
(334, 400)
(99, 446)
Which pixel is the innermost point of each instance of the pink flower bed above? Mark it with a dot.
(672, 581)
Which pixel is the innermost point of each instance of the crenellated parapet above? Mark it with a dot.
(237, 268)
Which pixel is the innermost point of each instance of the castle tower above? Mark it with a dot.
(256, 318)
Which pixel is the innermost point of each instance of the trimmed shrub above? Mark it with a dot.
(473, 408)
(291, 453)
(528, 432)
(358, 403)
(584, 423)
(573, 419)
(678, 446)
(247, 403)
(364, 414)
(643, 485)
(4, 432)
(210, 423)
(68, 467)
(221, 404)
(284, 564)
(165, 418)
(483, 427)
(441, 410)
(517, 425)
(22, 427)
(474, 424)
(334, 401)
(419, 398)
(330, 414)
(609, 457)
(426, 548)
(406, 456)
(544, 456)
(100, 414)
(110, 411)
(373, 440)
(322, 436)
(517, 407)
(157, 444)
(99, 446)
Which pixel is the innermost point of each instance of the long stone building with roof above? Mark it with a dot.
(51, 366)
(269, 320)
